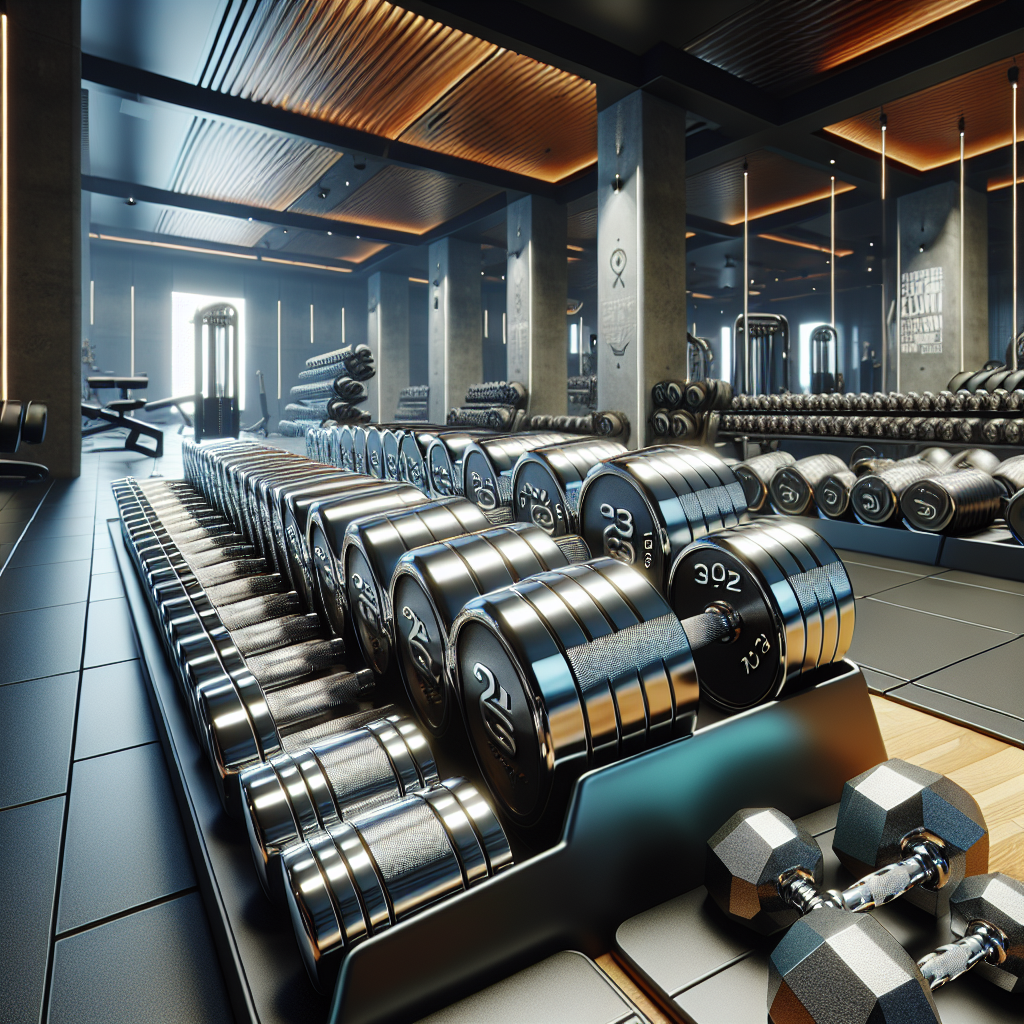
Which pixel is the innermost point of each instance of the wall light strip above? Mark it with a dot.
(418, 280)
(279, 350)
(746, 282)
(311, 323)
(1013, 75)
(3, 209)
(575, 248)
(832, 256)
(839, 253)
(133, 331)
(92, 303)
(963, 228)
(172, 245)
(700, 295)
(297, 263)
(342, 326)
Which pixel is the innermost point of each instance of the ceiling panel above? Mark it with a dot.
(239, 164)
(922, 128)
(775, 183)
(780, 45)
(407, 199)
(518, 114)
(364, 64)
(339, 247)
(210, 227)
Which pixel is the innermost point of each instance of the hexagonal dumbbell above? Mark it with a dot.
(909, 831)
(833, 966)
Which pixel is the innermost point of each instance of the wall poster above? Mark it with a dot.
(921, 311)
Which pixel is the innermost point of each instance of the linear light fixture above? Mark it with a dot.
(746, 279)
(311, 323)
(1013, 74)
(839, 253)
(92, 303)
(3, 208)
(963, 228)
(700, 295)
(312, 266)
(575, 248)
(342, 326)
(172, 245)
(279, 350)
(133, 331)
(832, 256)
(418, 280)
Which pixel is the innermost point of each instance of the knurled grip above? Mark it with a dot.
(243, 589)
(950, 961)
(315, 698)
(242, 614)
(314, 658)
(282, 632)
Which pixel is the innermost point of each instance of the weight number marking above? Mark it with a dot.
(717, 576)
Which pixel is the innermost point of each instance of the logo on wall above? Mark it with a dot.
(618, 264)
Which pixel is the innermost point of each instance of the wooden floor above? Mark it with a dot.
(990, 770)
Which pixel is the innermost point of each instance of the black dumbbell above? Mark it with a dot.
(792, 488)
(875, 498)
(643, 507)
(488, 463)
(755, 475)
(668, 394)
(958, 502)
(574, 668)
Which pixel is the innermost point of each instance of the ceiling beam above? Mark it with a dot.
(136, 82)
(242, 211)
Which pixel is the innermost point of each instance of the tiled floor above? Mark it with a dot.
(100, 918)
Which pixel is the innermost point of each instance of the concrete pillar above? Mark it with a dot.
(388, 337)
(928, 310)
(641, 254)
(44, 233)
(537, 291)
(455, 324)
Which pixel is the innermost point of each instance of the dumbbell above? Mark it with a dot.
(705, 395)
(792, 487)
(443, 458)
(546, 482)
(668, 394)
(430, 586)
(643, 507)
(294, 795)
(575, 668)
(488, 463)
(412, 450)
(369, 552)
(875, 497)
(918, 833)
(755, 475)
(831, 961)
(958, 502)
(374, 870)
(1014, 515)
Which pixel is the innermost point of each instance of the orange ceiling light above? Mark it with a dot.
(806, 245)
(922, 130)
(517, 114)
(363, 64)
(1003, 181)
(409, 199)
(816, 36)
(776, 183)
(338, 247)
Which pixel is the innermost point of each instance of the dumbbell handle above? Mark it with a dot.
(718, 623)
(927, 863)
(982, 941)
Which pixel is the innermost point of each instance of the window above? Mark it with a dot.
(803, 354)
(574, 339)
(183, 308)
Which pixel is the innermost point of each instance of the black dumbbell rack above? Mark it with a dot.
(634, 837)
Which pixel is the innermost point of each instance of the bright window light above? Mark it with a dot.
(574, 339)
(725, 370)
(804, 354)
(183, 341)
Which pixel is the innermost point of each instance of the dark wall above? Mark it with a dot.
(156, 273)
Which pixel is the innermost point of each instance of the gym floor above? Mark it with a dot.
(100, 914)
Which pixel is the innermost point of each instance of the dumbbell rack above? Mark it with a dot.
(617, 854)
(993, 552)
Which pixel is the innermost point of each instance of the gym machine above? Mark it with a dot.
(216, 371)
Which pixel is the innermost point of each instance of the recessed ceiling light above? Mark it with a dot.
(346, 184)
(285, 231)
(330, 232)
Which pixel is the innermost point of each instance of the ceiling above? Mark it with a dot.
(351, 131)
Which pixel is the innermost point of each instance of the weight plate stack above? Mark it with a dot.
(364, 875)
(325, 538)
(488, 463)
(293, 796)
(645, 506)
(371, 550)
(546, 482)
(787, 591)
(832, 495)
(565, 671)
(756, 474)
(432, 584)
(791, 491)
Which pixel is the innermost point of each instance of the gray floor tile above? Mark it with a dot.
(101, 538)
(113, 711)
(966, 713)
(993, 679)
(41, 642)
(895, 564)
(909, 644)
(106, 586)
(108, 635)
(12, 513)
(28, 878)
(51, 549)
(125, 845)
(5, 553)
(879, 682)
(738, 993)
(42, 586)
(10, 533)
(871, 579)
(156, 965)
(968, 604)
(36, 722)
(61, 526)
(103, 561)
(973, 579)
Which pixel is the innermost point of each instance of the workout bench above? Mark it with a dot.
(114, 416)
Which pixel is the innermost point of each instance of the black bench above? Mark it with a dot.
(114, 415)
(21, 421)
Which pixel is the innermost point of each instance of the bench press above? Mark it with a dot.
(114, 415)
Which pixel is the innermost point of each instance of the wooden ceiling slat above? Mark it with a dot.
(210, 227)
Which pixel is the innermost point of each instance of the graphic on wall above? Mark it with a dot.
(921, 311)
(618, 263)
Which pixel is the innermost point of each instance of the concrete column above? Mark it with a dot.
(537, 291)
(641, 254)
(388, 337)
(44, 233)
(929, 293)
(455, 324)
